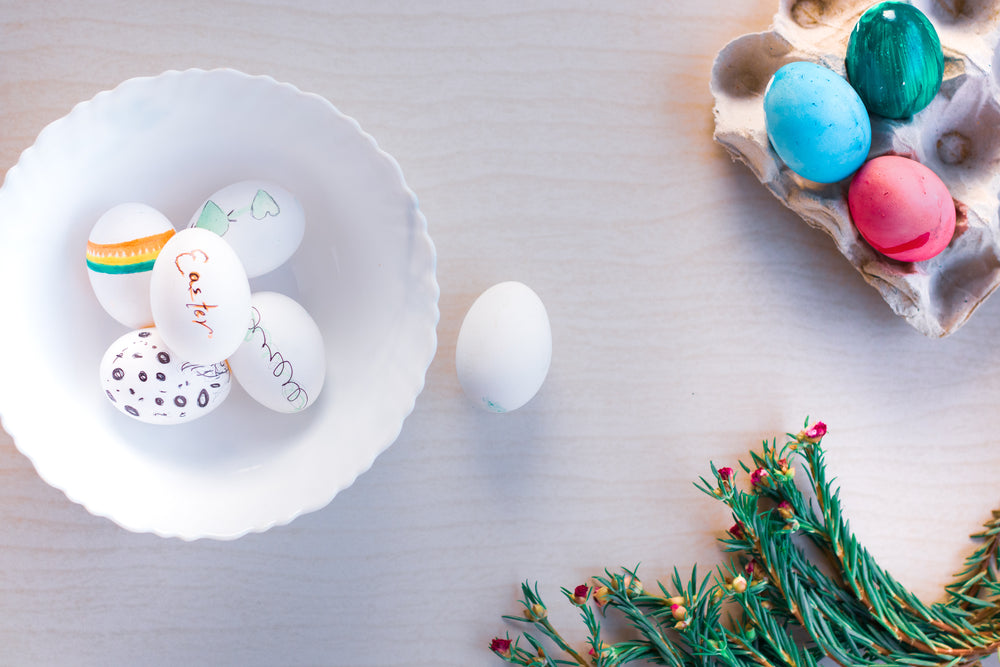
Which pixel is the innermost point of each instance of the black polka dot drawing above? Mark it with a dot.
(144, 380)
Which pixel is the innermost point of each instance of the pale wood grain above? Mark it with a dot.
(566, 144)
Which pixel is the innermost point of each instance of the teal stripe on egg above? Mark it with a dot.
(894, 60)
(136, 267)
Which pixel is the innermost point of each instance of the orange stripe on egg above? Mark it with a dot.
(128, 252)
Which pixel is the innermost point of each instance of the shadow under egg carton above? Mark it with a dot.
(957, 136)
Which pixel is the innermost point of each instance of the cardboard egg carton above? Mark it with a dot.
(957, 136)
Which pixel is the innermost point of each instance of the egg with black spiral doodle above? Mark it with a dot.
(145, 380)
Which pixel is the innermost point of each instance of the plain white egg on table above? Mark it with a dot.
(504, 347)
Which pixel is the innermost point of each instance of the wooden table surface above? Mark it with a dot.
(566, 144)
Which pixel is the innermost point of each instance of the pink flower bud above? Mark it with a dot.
(760, 477)
(817, 431)
(813, 434)
(725, 481)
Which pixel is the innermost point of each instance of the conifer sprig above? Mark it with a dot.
(772, 605)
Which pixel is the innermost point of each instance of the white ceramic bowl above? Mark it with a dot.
(365, 271)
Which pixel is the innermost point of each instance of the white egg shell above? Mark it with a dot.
(200, 296)
(282, 361)
(263, 222)
(504, 347)
(146, 380)
(121, 249)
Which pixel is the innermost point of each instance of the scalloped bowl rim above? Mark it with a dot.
(17, 420)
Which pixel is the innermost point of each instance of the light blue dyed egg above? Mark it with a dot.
(816, 122)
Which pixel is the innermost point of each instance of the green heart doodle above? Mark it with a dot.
(263, 205)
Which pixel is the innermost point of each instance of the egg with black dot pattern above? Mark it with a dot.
(145, 380)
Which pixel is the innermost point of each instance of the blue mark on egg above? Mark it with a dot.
(493, 406)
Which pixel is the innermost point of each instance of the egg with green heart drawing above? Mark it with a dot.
(263, 222)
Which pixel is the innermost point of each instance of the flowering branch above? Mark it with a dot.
(771, 605)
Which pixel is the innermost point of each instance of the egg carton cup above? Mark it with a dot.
(957, 136)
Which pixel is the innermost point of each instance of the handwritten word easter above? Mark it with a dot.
(199, 310)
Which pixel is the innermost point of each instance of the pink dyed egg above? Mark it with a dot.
(901, 208)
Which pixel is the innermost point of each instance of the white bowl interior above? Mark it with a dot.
(365, 272)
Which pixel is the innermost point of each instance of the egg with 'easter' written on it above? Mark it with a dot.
(200, 296)
(122, 247)
(282, 361)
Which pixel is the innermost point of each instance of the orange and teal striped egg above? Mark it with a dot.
(122, 247)
(132, 256)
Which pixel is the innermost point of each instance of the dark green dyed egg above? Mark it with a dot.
(894, 60)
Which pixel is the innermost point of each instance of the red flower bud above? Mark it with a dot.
(501, 647)
(736, 530)
(725, 474)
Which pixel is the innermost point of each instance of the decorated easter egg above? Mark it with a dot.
(816, 122)
(894, 60)
(121, 249)
(504, 347)
(281, 362)
(200, 296)
(263, 222)
(901, 208)
(146, 380)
